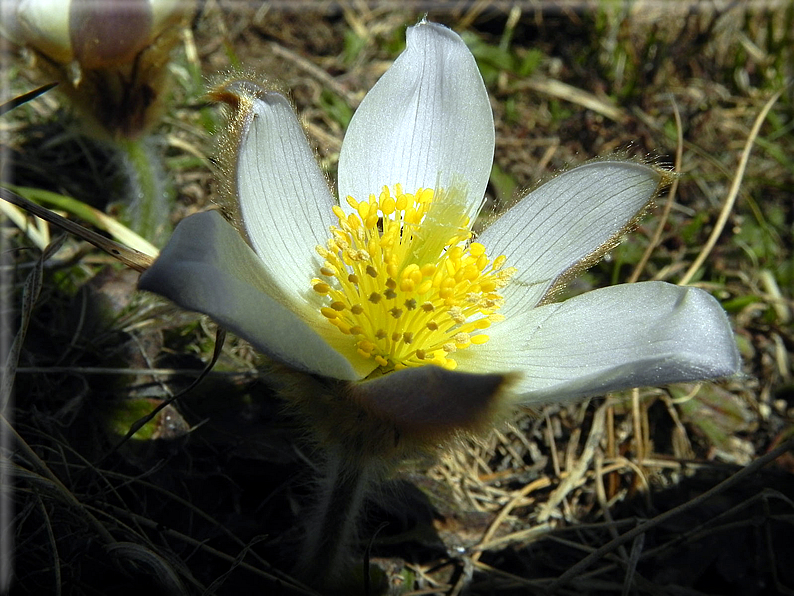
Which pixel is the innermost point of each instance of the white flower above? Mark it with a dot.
(431, 328)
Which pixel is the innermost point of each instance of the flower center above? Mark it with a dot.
(401, 277)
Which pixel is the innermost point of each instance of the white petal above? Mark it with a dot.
(208, 268)
(564, 222)
(284, 201)
(426, 120)
(637, 335)
(44, 24)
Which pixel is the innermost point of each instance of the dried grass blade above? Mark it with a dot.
(38, 235)
(668, 205)
(24, 98)
(732, 193)
(30, 294)
(577, 569)
(132, 258)
(580, 468)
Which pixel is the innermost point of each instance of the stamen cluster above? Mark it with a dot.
(406, 306)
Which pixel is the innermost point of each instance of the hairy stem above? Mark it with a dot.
(149, 203)
(332, 526)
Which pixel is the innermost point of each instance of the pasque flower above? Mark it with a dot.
(387, 291)
(406, 330)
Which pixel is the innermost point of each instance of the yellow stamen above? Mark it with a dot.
(403, 280)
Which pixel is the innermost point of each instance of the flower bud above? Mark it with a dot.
(108, 55)
(97, 34)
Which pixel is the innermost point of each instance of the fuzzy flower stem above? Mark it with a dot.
(149, 200)
(332, 526)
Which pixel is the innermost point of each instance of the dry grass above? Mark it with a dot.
(209, 501)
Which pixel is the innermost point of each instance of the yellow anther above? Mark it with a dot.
(408, 271)
(339, 212)
(341, 325)
(321, 288)
(406, 277)
(487, 285)
(400, 202)
(387, 206)
(476, 249)
(407, 285)
(471, 272)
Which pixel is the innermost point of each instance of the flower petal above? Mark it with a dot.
(637, 335)
(426, 120)
(285, 204)
(207, 267)
(430, 404)
(567, 223)
(43, 24)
